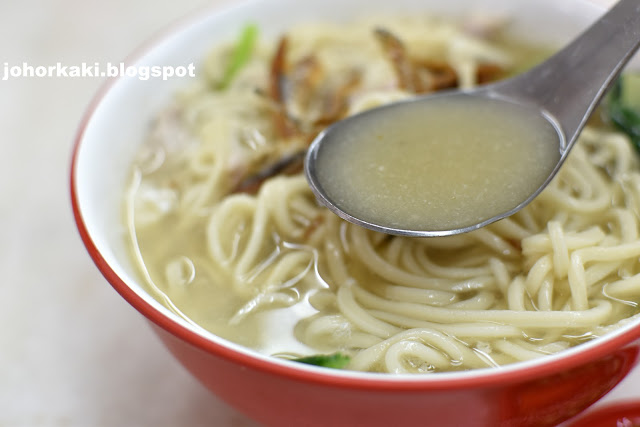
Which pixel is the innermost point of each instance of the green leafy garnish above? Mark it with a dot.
(240, 55)
(624, 106)
(335, 361)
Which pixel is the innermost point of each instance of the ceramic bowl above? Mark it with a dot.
(281, 393)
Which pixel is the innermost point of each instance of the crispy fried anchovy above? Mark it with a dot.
(306, 76)
(287, 165)
(488, 72)
(420, 76)
(278, 64)
(277, 82)
(415, 76)
(438, 76)
(399, 57)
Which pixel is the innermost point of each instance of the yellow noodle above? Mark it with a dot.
(276, 272)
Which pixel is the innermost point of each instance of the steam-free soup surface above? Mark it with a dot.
(443, 164)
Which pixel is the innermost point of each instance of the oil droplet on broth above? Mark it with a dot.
(446, 164)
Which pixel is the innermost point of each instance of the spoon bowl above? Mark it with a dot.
(376, 168)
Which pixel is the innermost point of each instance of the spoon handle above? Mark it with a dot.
(579, 75)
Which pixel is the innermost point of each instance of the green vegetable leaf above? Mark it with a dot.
(624, 106)
(240, 56)
(336, 360)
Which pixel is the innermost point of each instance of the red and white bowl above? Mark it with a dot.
(276, 392)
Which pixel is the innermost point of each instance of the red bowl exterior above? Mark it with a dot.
(622, 414)
(277, 400)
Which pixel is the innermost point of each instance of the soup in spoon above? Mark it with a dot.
(440, 165)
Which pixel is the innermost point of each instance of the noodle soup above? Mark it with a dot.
(227, 234)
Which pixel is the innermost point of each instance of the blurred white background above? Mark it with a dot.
(72, 352)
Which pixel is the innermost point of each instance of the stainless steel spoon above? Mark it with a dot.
(565, 90)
